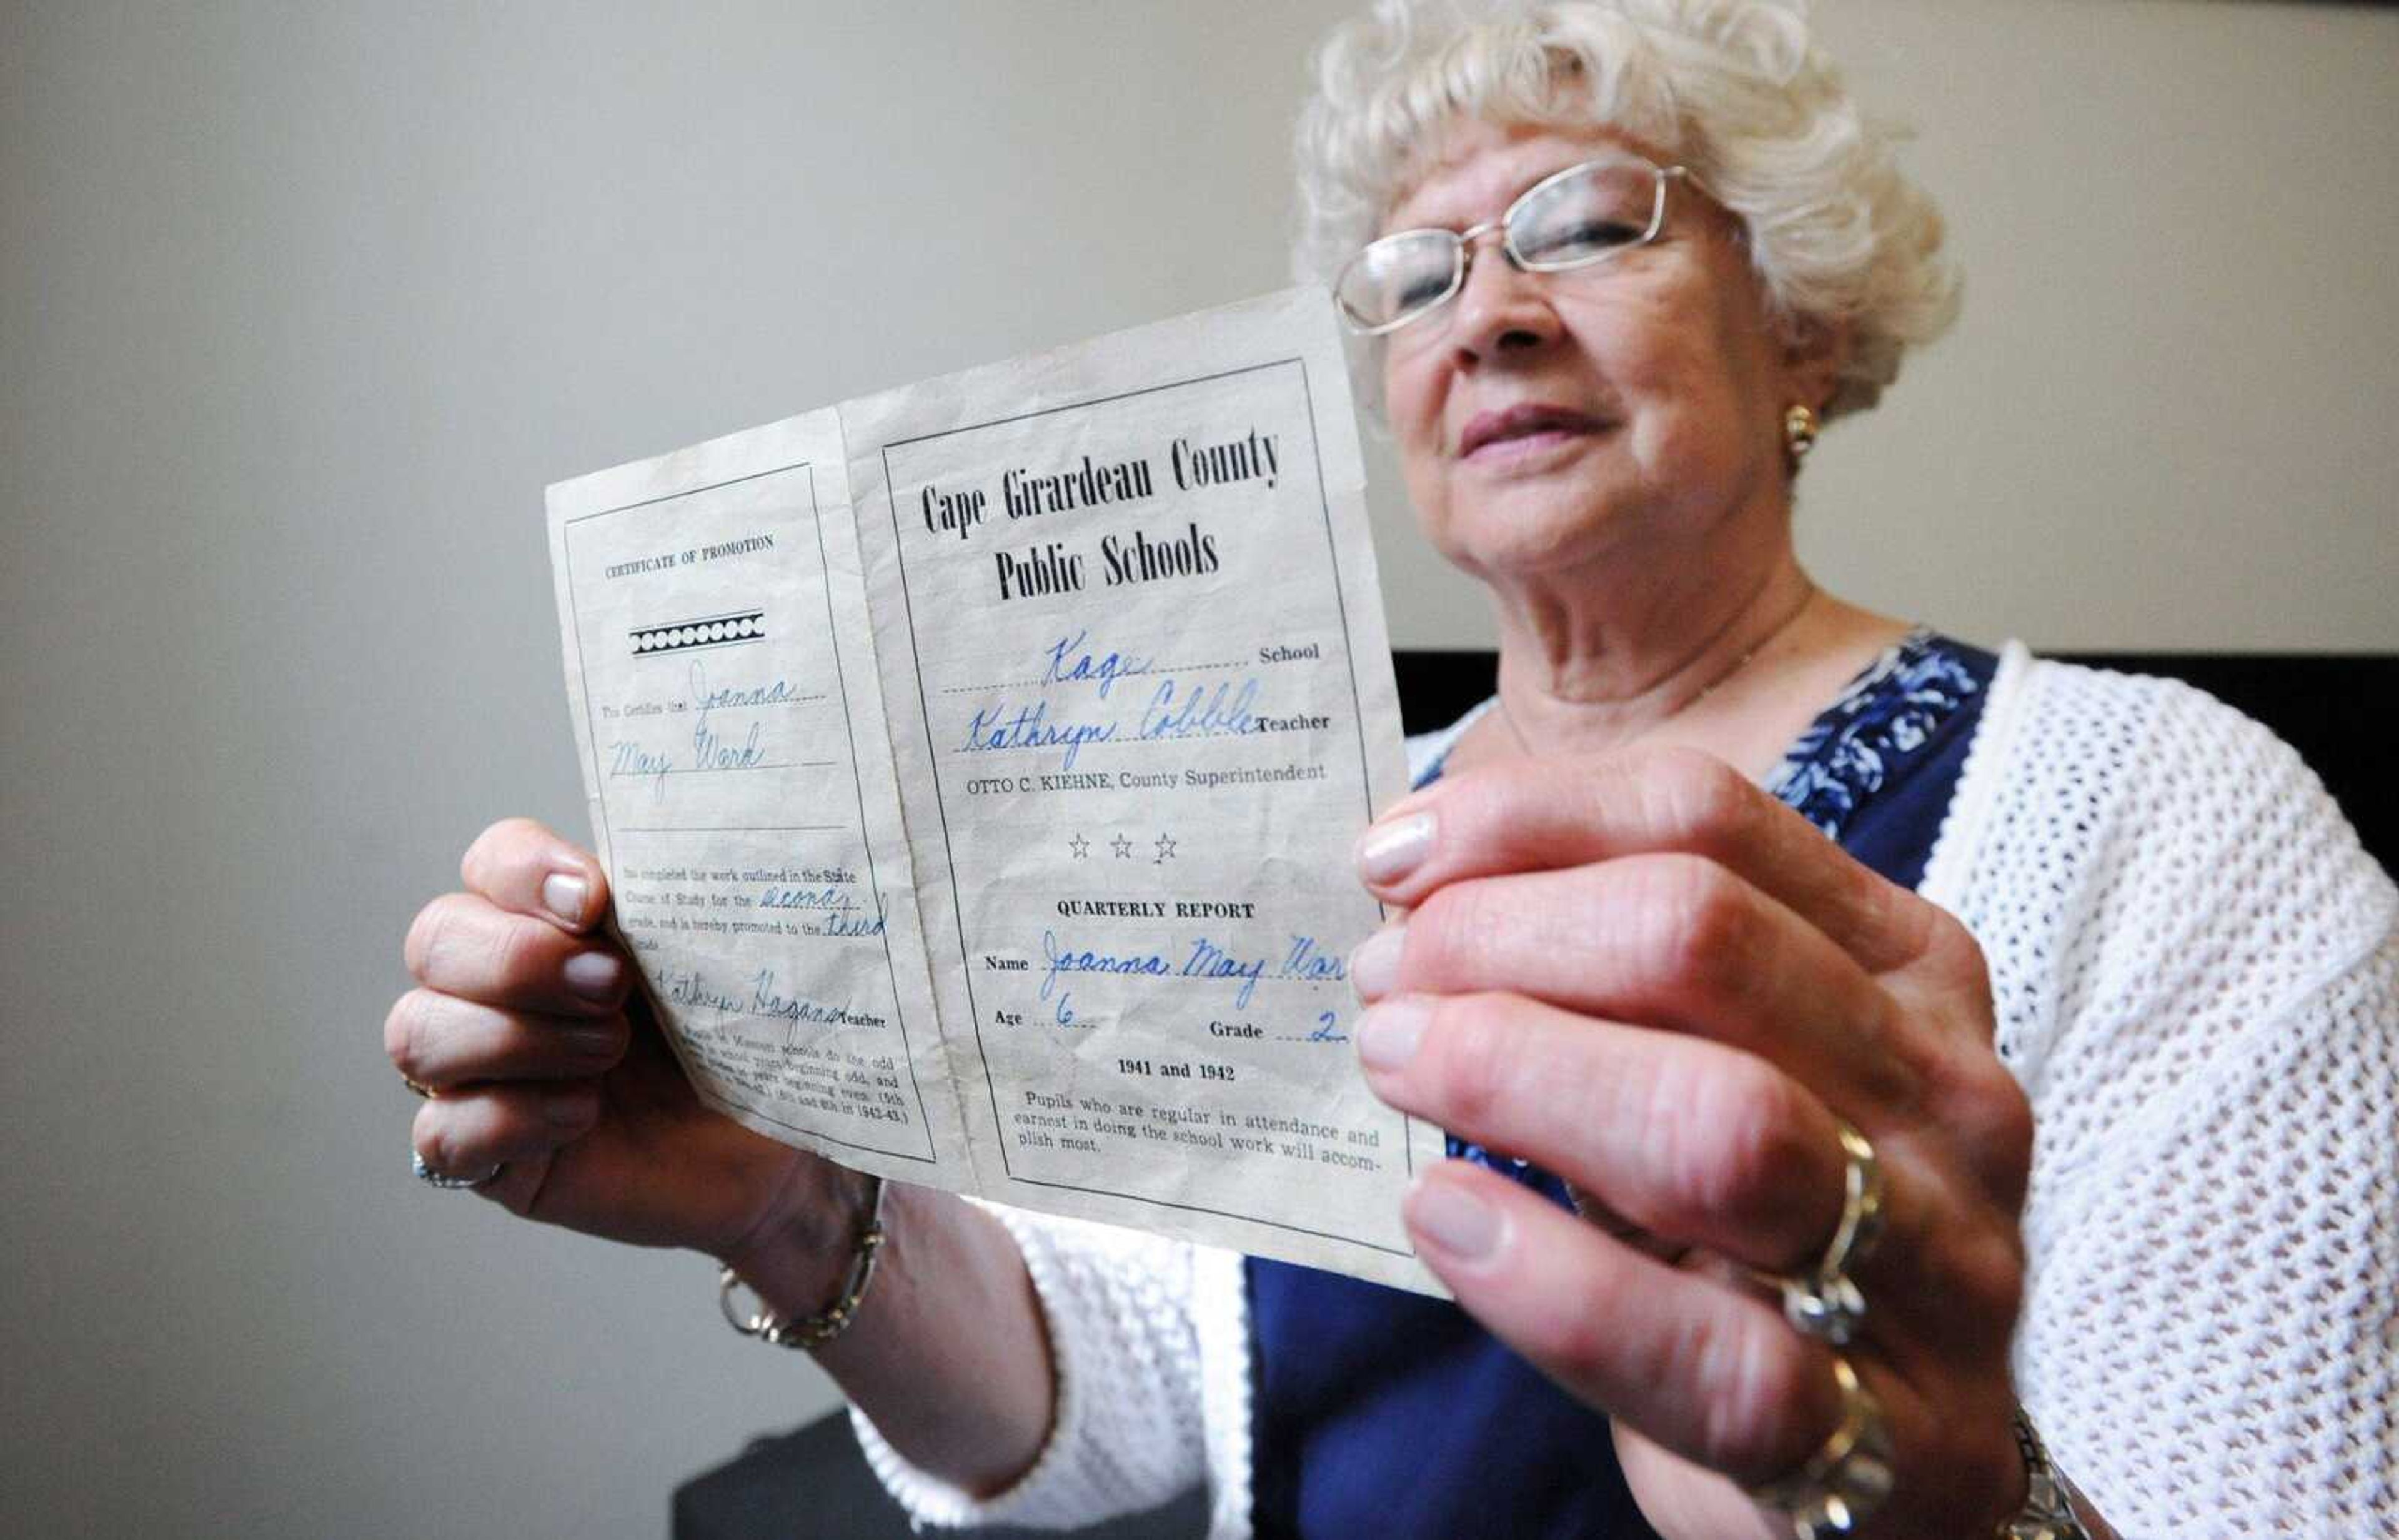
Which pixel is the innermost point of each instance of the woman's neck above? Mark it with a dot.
(1738, 667)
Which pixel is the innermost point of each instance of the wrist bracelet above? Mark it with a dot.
(2047, 1513)
(823, 1327)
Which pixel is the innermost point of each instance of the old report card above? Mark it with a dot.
(977, 763)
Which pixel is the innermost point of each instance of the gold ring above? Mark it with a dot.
(1825, 1301)
(419, 1087)
(1842, 1483)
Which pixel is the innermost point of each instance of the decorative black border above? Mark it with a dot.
(687, 635)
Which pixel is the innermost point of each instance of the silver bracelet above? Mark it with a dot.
(825, 1325)
(2048, 1511)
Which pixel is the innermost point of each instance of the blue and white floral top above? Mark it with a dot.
(1387, 1413)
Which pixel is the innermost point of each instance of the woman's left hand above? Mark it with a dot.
(1643, 973)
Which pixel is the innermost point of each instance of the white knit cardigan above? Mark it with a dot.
(2197, 976)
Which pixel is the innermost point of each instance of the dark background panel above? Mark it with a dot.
(2332, 708)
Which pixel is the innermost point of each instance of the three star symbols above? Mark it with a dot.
(1122, 847)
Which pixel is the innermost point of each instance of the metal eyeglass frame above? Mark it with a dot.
(1462, 241)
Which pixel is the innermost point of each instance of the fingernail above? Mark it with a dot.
(1388, 1033)
(1389, 851)
(1375, 967)
(594, 975)
(594, 1042)
(564, 894)
(1453, 1219)
(565, 1109)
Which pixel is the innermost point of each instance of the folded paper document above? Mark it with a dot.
(977, 766)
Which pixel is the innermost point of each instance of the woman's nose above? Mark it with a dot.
(1500, 307)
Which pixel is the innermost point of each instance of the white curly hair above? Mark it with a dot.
(1736, 89)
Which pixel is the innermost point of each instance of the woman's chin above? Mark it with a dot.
(1530, 533)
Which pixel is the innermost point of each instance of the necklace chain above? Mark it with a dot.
(1806, 599)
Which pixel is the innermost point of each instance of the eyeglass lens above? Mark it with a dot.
(1592, 212)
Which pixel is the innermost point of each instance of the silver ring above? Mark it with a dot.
(433, 1177)
(1825, 1301)
(1842, 1483)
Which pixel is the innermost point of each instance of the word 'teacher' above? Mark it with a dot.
(977, 766)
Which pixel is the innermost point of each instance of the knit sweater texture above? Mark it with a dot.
(2195, 968)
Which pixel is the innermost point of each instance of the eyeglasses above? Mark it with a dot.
(1577, 217)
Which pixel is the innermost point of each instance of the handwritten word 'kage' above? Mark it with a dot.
(1070, 661)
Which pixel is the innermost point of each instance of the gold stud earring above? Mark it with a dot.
(1800, 430)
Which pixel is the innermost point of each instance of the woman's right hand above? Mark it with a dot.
(546, 1062)
(543, 1062)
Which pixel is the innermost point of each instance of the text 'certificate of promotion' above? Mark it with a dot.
(1094, 668)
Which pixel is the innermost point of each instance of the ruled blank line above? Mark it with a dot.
(738, 829)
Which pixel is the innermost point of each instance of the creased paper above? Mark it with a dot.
(977, 763)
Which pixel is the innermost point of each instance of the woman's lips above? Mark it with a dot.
(1497, 430)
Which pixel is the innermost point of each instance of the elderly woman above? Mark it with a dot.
(2048, 1023)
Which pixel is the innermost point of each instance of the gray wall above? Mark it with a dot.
(301, 306)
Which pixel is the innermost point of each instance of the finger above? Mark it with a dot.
(441, 1041)
(1704, 1370)
(463, 945)
(1673, 941)
(1681, 1142)
(476, 1129)
(1685, 1138)
(526, 869)
(1542, 814)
